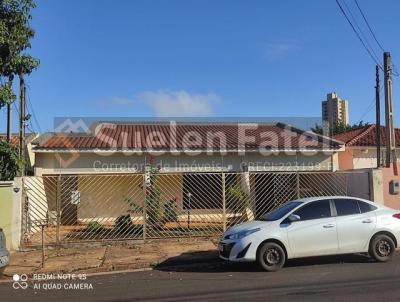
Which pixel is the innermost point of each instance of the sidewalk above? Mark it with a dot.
(111, 258)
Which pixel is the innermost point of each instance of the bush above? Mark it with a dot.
(94, 227)
(10, 164)
(237, 199)
(171, 211)
(124, 225)
(154, 203)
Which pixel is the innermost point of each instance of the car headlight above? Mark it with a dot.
(241, 234)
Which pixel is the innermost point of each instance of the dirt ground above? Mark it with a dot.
(92, 259)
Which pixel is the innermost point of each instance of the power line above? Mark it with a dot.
(30, 108)
(358, 35)
(369, 27)
(369, 108)
(361, 31)
(394, 71)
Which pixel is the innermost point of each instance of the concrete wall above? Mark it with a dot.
(10, 212)
(86, 163)
(6, 201)
(376, 187)
(392, 201)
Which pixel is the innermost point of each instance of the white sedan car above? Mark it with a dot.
(315, 226)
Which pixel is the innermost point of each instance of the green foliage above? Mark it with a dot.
(94, 227)
(154, 202)
(236, 199)
(15, 36)
(124, 225)
(338, 128)
(171, 211)
(10, 164)
(7, 95)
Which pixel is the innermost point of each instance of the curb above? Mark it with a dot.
(136, 270)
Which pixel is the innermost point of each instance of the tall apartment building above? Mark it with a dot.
(335, 110)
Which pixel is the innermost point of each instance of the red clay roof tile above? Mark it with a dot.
(194, 136)
(366, 136)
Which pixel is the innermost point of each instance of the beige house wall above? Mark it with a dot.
(89, 163)
(359, 158)
(108, 196)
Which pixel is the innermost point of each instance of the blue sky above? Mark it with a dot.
(207, 58)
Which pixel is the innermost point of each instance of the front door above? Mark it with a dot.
(315, 233)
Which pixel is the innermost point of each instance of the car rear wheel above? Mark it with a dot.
(271, 256)
(382, 248)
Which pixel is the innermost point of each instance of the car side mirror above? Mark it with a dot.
(294, 217)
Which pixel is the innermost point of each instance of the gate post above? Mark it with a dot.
(298, 184)
(24, 213)
(58, 209)
(223, 202)
(144, 207)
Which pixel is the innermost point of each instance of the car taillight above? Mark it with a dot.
(396, 215)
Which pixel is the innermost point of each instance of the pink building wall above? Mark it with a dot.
(346, 160)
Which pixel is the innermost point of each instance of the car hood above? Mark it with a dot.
(247, 226)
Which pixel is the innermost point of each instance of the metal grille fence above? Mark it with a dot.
(87, 208)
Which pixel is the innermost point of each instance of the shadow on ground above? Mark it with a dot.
(208, 262)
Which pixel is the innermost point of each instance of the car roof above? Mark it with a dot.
(311, 199)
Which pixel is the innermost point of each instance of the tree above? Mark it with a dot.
(338, 128)
(15, 36)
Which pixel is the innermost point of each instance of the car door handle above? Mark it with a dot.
(328, 226)
(367, 221)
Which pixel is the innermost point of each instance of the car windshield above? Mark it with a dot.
(281, 211)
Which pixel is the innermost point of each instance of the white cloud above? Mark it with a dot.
(278, 50)
(166, 103)
(179, 103)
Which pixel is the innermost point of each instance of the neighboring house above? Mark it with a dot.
(126, 148)
(29, 155)
(361, 151)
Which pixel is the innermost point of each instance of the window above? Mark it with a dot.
(346, 207)
(366, 207)
(315, 210)
(280, 212)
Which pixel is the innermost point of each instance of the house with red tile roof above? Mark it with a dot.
(185, 147)
(361, 151)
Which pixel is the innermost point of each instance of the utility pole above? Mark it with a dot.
(378, 119)
(390, 136)
(9, 130)
(22, 119)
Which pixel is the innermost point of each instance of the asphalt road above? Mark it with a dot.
(347, 278)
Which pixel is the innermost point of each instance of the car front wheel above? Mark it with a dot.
(271, 256)
(382, 248)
